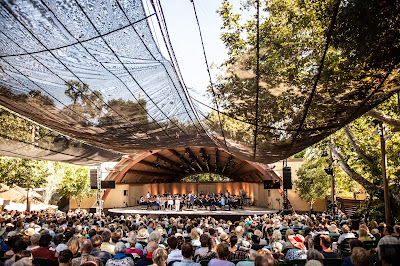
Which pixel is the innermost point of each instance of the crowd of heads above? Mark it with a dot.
(77, 238)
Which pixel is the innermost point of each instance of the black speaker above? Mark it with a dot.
(287, 177)
(93, 178)
(108, 184)
(92, 210)
(272, 184)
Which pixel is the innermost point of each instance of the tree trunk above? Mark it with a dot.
(28, 204)
(370, 187)
(394, 122)
(354, 143)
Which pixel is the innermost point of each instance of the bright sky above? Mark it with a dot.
(185, 38)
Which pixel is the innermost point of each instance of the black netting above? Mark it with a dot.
(92, 71)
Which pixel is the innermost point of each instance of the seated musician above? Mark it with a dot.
(207, 201)
(221, 203)
(152, 201)
(142, 201)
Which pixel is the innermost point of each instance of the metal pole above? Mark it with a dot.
(99, 200)
(333, 194)
(384, 176)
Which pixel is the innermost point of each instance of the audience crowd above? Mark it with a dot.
(77, 238)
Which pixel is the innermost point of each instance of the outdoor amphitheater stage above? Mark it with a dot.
(233, 214)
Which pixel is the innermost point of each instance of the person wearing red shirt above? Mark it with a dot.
(43, 251)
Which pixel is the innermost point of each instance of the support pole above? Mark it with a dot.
(333, 193)
(384, 176)
(99, 208)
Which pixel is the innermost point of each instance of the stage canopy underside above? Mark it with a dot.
(84, 82)
(172, 165)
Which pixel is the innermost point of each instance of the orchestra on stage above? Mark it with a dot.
(191, 200)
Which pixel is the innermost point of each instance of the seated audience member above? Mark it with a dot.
(346, 234)
(132, 244)
(97, 252)
(327, 252)
(314, 263)
(353, 244)
(106, 242)
(23, 254)
(298, 252)
(211, 254)
(18, 246)
(204, 244)
(255, 241)
(43, 251)
(65, 257)
(73, 245)
(388, 255)
(223, 254)
(174, 253)
(276, 249)
(120, 258)
(187, 253)
(23, 262)
(160, 257)
(313, 254)
(34, 242)
(360, 257)
(363, 235)
(265, 260)
(86, 248)
(288, 243)
(234, 252)
(387, 238)
(248, 261)
(151, 246)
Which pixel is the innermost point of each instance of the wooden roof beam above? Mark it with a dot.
(194, 158)
(227, 163)
(137, 172)
(237, 167)
(171, 162)
(183, 159)
(216, 159)
(205, 157)
(158, 166)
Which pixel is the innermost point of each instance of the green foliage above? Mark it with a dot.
(75, 184)
(206, 178)
(313, 183)
(22, 172)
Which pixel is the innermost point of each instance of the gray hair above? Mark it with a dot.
(253, 253)
(23, 262)
(313, 254)
(35, 239)
(314, 263)
(78, 229)
(120, 248)
(132, 239)
(155, 236)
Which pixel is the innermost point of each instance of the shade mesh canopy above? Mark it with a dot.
(86, 82)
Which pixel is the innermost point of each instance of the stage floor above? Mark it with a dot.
(196, 212)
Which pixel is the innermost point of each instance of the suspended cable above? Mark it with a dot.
(209, 74)
(171, 53)
(65, 28)
(257, 75)
(83, 41)
(129, 73)
(15, 17)
(170, 78)
(318, 76)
